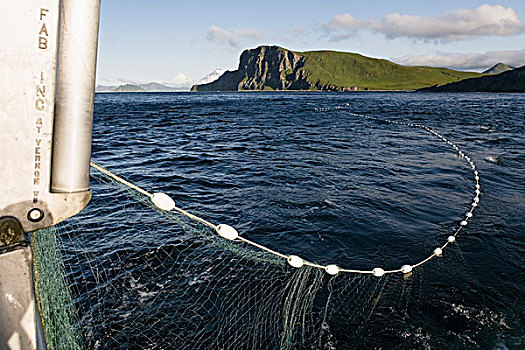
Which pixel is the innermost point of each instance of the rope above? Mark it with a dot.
(119, 179)
(230, 233)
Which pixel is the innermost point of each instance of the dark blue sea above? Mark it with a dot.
(301, 174)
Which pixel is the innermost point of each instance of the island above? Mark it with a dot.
(129, 88)
(149, 87)
(277, 68)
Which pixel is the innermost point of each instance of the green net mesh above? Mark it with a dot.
(54, 300)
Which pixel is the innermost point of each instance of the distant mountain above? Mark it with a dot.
(149, 87)
(216, 74)
(155, 87)
(105, 88)
(498, 68)
(509, 81)
(129, 88)
(179, 82)
(276, 68)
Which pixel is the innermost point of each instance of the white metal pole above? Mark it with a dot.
(75, 86)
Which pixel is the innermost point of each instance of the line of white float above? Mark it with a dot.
(164, 202)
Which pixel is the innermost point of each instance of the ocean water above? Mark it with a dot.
(300, 174)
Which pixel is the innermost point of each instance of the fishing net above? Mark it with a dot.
(54, 300)
(152, 279)
(195, 291)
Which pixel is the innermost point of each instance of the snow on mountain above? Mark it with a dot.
(212, 76)
(180, 80)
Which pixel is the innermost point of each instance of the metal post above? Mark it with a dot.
(75, 86)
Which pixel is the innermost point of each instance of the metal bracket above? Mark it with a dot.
(10, 230)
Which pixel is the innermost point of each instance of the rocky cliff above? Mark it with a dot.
(276, 68)
(263, 68)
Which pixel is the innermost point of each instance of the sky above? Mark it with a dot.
(166, 40)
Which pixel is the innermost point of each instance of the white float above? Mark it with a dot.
(226, 231)
(378, 272)
(406, 269)
(295, 261)
(163, 201)
(332, 269)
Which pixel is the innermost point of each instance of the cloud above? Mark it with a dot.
(295, 35)
(299, 31)
(223, 37)
(249, 33)
(485, 20)
(342, 27)
(455, 25)
(346, 22)
(231, 40)
(466, 61)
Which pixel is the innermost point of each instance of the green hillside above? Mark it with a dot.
(351, 69)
